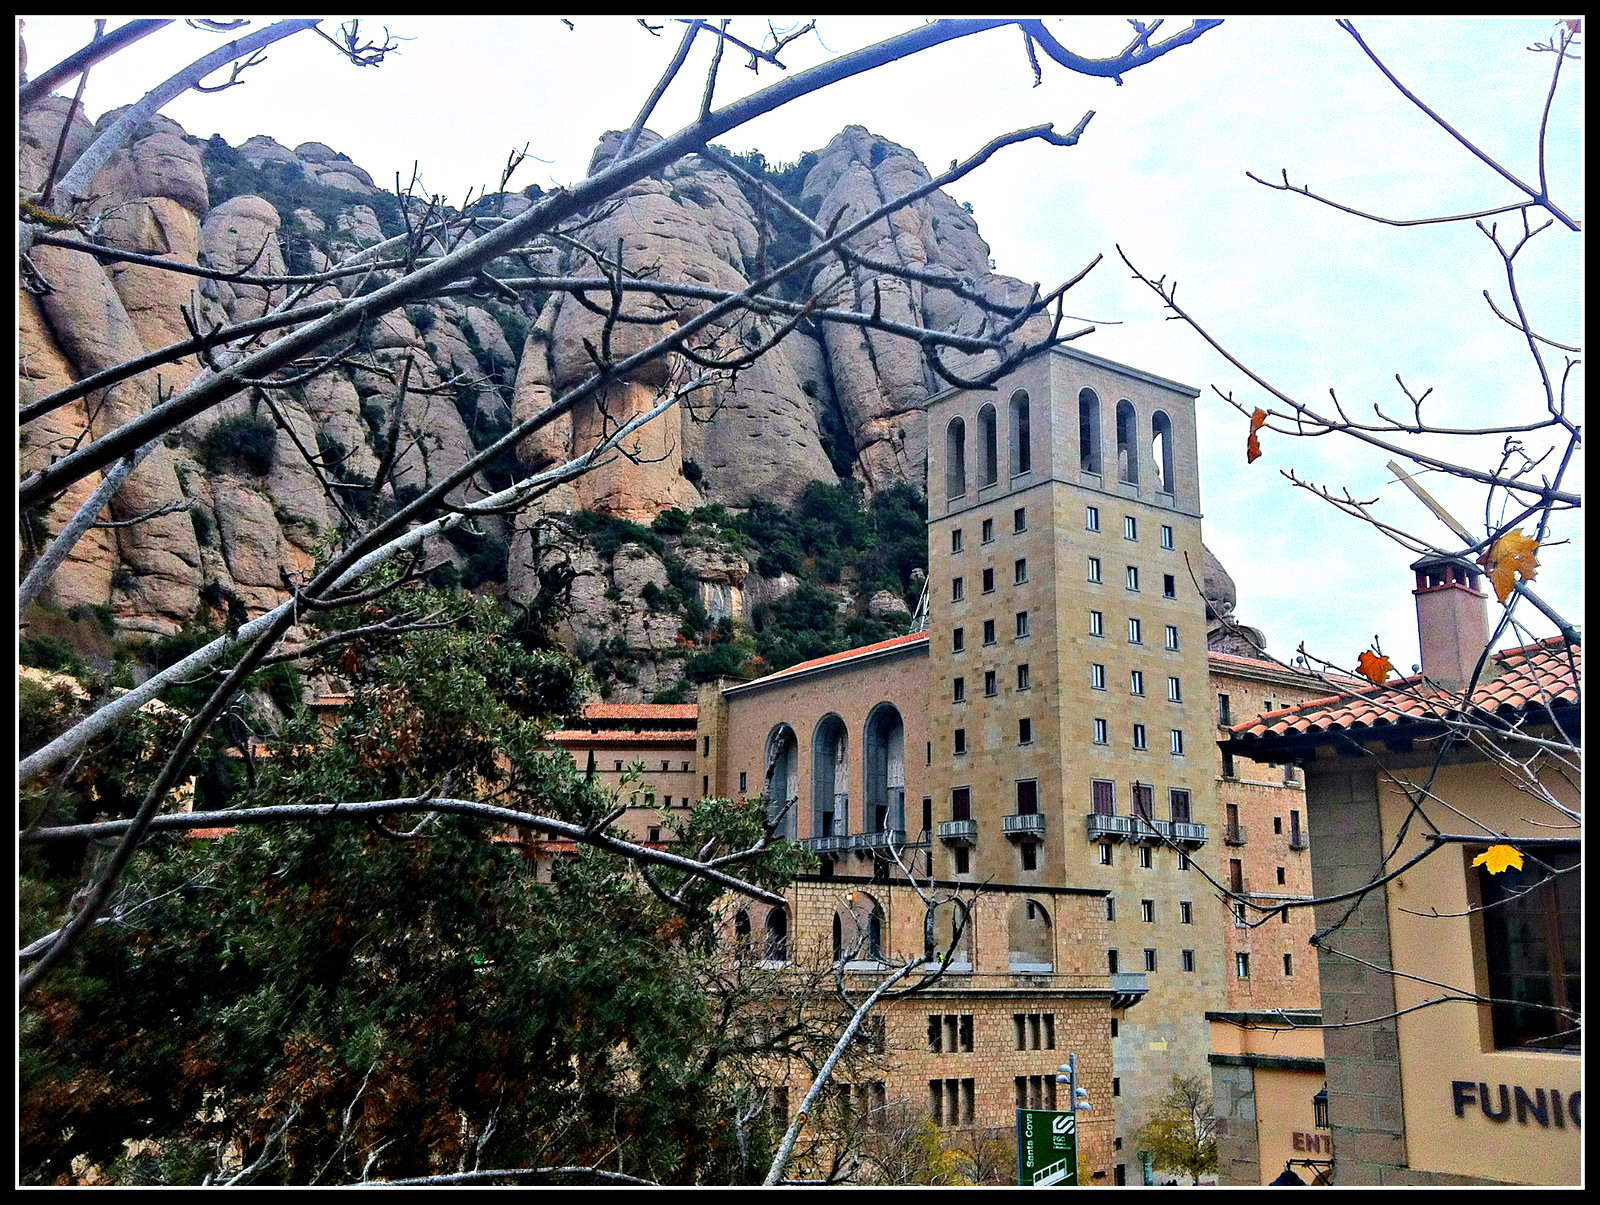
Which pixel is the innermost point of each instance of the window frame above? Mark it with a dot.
(1136, 682)
(1091, 518)
(1102, 730)
(1135, 630)
(988, 580)
(1095, 575)
(1130, 528)
(1019, 520)
(1097, 676)
(1019, 572)
(1172, 637)
(1133, 579)
(1166, 536)
(1097, 624)
(1141, 737)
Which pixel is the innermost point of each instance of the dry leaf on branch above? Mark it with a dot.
(1512, 553)
(1374, 668)
(1253, 448)
(1496, 858)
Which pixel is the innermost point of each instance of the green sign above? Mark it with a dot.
(1047, 1147)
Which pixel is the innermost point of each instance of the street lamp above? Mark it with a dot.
(1077, 1098)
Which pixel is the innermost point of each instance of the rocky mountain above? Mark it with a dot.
(240, 503)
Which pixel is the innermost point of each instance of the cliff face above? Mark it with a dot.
(819, 404)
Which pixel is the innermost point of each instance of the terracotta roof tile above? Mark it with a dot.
(909, 638)
(624, 736)
(1535, 674)
(641, 711)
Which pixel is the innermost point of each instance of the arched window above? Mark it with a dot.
(988, 447)
(830, 778)
(1021, 434)
(781, 783)
(946, 917)
(955, 460)
(1088, 431)
(874, 948)
(1161, 451)
(777, 936)
(884, 764)
(741, 932)
(838, 937)
(1127, 444)
(858, 929)
(1029, 933)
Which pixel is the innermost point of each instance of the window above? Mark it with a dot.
(1133, 578)
(705, 746)
(1101, 732)
(1097, 623)
(1097, 676)
(1177, 747)
(1094, 569)
(1149, 959)
(1185, 912)
(986, 533)
(988, 447)
(961, 803)
(955, 460)
(1021, 436)
(1239, 921)
(1188, 960)
(1174, 690)
(950, 1033)
(1022, 676)
(958, 693)
(1088, 431)
(1092, 518)
(1166, 536)
(1019, 519)
(1111, 908)
(1228, 769)
(1144, 857)
(988, 631)
(1172, 636)
(1104, 797)
(963, 859)
(1028, 800)
(617, 767)
(1136, 682)
(1034, 1031)
(961, 740)
(666, 766)
(744, 781)
(990, 684)
(1020, 571)
(958, 589)
(1291, 775)
(705, 785)
(1178, 803)
(1161, 451)
(955, 540)
(1116, 1090)
(655, 832)
(1288, 964)
(1139, 737)
(1280, 876)
(1224, 710)
(1147, 911)
(1113, 965)
(1530, 924)
(1030, 856)
(1022, 625)
(958, 640)
(1130, 528)
(1127, 443)
(1183, 861)
(1169, 586)
(1266, 707)
(1025, 731)
(1105, 853)
(988, 581)
(1241, 965)
(1135, 631)
(1284, 916)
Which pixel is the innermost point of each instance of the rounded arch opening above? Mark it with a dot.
(781, 782)
(884, 770)
(1161, 451)
(1127, 443)
(859, 929)
(955, 460)
(777, 931)
(1031, 937)
(1089, 432)
(988, 445)
(1021, 434)
(830, 777)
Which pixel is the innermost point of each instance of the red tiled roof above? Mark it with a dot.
(1543, 674)
(642, 711)
(333, 700)
(623, 736)
(847, 655)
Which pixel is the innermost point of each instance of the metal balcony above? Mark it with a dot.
(883, 839)
(1299, 840)
(958, 832)
(1127, 988)
(1234, 834)
(1105, 827)
(1187, 833)
(1023, 827)
(832, 844)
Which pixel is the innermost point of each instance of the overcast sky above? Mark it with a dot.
(1309, 298)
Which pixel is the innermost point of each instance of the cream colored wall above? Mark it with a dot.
(1452, 1041)
(1284, 1109)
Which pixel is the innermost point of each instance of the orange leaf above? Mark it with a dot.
(1512, 553)
(1373, 668)
(1253, 448)
(1496, 858)
(1575, 26)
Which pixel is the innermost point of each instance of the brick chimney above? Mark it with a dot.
(1452, 620)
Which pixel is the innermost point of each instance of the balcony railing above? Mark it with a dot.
(833, 844)
(1299, 840)
(1234, 834)
(1185, 832)
(1024, 827)
(1106, 827)
(958, 832)
(882, 839)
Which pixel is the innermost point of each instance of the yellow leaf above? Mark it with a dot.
(1373, 668)
(1496, 858)
(1253, 448)
(1512, 553)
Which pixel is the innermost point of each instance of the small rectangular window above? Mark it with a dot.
(1116, 1090)
(1103, 797)
(1092, 518)
(1188, 960)
(655, 832)
(1172, 636)
(1113, 962)
(988, 581)
(705, 746)
(1022, 625)
(1022, 676)
(1241, 965)
(1101, 732)
(1174, 690)
(1183, 862)
(1277, 826)
(1227, 765)
(744, 781)
(1105, 853)
(1288, 964)
(1139, 737)
(1166, 536)
(1185, 912)
(1094, 569)
(1030, 856)
(1136, 682)
(963, 859)
(988, 631)
(617, 767)
(705, 786)
(955, 540)
(1097, 623)
(1135, 631)
(1020, 571)
(1224, 710)
(1149, 959)
(1280, 876)
(1130, 528)
(1147, 911)
(1169, 586)
(958, 640)
(1133, 578)
(1019, 519)
(958, 691)
(1178, 803)
(1025, 731)
(667, 802)
(1028, 797)
(1144, 857)
(987, 533)
(1097, 676)
(991, 685)
(961, 740)
(1111, 908)
(1177, 742)
(958, 589)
